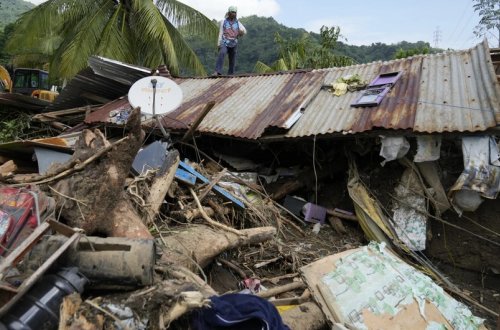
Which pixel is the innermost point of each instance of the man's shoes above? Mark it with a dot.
(215, 74)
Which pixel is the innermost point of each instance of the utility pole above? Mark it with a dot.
(437, 37)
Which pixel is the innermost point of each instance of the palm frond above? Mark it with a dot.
(149, 22)
(187, 57)
(280, 65)
(115, 41)
(141, 32)
(82, 40)
(180, 14)
(261, 67)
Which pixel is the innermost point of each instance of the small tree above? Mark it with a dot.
(489, 11)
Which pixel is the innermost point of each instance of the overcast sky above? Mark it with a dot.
(449, 23)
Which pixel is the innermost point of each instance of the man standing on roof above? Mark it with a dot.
(229, 32)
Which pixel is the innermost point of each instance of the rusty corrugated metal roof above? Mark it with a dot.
(450, 92)
(245, 106)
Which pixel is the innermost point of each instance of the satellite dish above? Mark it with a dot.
(155, 95)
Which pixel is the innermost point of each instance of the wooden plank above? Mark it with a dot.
(15, 256)
(8, 167)
(197, 121)
(161, 184)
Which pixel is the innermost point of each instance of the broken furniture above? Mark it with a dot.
(10, 295)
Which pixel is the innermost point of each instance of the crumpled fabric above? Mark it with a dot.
(481, 172)
(429, 148)
(393, 147)
(339, 89)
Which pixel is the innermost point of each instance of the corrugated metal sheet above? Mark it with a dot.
(104, 79)
(449, 92)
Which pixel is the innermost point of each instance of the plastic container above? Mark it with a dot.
(38, 309)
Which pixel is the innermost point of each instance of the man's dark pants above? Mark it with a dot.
(231, 54)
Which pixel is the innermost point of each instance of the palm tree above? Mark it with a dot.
(141, 32)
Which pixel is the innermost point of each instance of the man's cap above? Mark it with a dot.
(232, 9)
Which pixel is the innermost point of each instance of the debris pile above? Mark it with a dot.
(116, 224)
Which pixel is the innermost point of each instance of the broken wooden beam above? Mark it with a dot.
(161, 184)
(342, 215)
(93, 198)
(197, 121)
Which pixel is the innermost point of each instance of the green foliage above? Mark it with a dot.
(489, 11)
(303, 53)
(68, 32)
(403, 53)
(10, 10)
(4, 35)
(325, 56)
(259, 46)
(14, 125)
(380, 51)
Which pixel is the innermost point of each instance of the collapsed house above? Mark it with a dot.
(299, 164)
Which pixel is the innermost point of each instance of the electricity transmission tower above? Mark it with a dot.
(437, 37)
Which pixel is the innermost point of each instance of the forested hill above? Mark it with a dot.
(259, 45)
(11, 9)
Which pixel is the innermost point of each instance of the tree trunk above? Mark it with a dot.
(200, 244)
(93, 198)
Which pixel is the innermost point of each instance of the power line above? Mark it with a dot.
(467, 7)
(460, 34)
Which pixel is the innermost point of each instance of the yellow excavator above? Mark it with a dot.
(31, 82)
(5, 81)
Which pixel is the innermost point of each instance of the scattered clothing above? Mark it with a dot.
(393, 147)
(239, 311)
(481, 172)
(429, 148)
